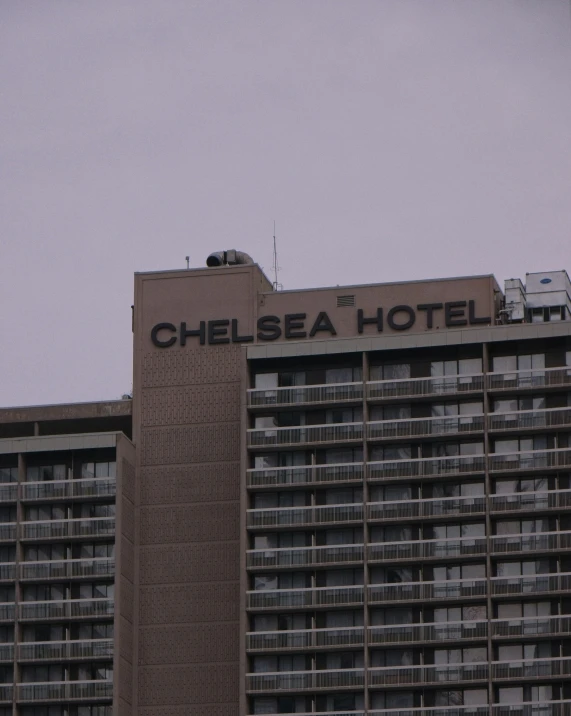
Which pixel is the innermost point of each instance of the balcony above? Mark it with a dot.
(535, 584)
(531, 626)
(58, 529)
(6, 693)
(428, 675)
(522, 379)
(8, 492)
(428, 508)
(530, 419)
(306, 395)
(419, 387)
(531, 543)
(425, 427)
(332, 433)
(92, 487)
(66, 609)
(295, 598)
(305, 556)
(530, 460)
(449, 548)
(305, 639)
(67, 569)
(437, 633)
(536, 708)
(426, 467)
(305, 680)
(7, 612)
(545, 501)
(7, 572)
(7, 531)
(305, 516)
(532, 668)
(306, 475)
(6, 653)
(66, 650)
(452, 590)
(64, 691)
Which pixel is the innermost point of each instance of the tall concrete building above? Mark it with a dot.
(348, 501)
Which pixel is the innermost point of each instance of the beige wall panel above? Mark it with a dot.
(196, 562)
(192, 644)
(369, 298)
(127, 560)
(191, 684)
(197, 443)
(128, 596)
(163, 368)
(127, 519)
(191, 710)
(190, 484)
(125, 638)
(128, 480)
(191, 404)
(195, 523)
(203, 602)
(126, 680)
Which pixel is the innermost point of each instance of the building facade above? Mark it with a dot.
(348, 501)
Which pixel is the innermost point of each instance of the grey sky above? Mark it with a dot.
(389, 139)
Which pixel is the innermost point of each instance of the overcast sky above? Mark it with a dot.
(389, 139)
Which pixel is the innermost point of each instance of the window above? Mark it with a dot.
(280, 459)
(43, 592)
(395, 615)
(44, 632)
(468, 655)
(526, 526)
(7, 554)
(390, 412)
(268, 500)
(99, 469)
(339, 578)
(517, 610)
(339, 702)
(342, 618)
(392, 657)
(283, 580)
(392, 699)
(340, 496)
(508, 405)
(348, 535)
(42, 673)
(343, 415)
(343, 375)
(278, 540)
(91, 631)
(280, 704)
(95, 550)
(390, 371)
(93, 510)
(340, 660)
(42, 473)
(270, 663)
(391, 452)
(523, 568)
(392, 575)
(7, 594)
(510, 487)
(45, 512)
(341, 456)
(461, 697)
(459, 571)
(390, 493)
(7, 514)
(518, 652)
(393, 533)
(8, 474)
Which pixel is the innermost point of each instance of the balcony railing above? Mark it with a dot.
(417, 387)
(435, 632)
(535, 708)
(531, 419)
(300, 516)
(8, 492)
(64, 691)
(6, 694)
(306, 475)
(305, 435)
(305, 680)
(66, 650)
(91, 487)
(306, 395)
(65, 569)
(426, 467)
(537, 378)
(6, 653)
(530, 460)
(433, 674)
(531, 501)
(295, 598)
(7, 611)
(559, 666)
(422, 509)
(7, 532)
(531, 626)
(532, 584)
(81, 527)
(457, 590)
(304, 556)
(66, 609)
(7, 571)
(425, 427)
(526, 543)
(305, 639)
(448, 548)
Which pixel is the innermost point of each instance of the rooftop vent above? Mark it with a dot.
(231, 257)
(345, 301)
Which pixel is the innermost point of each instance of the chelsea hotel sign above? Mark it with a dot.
(297, 326)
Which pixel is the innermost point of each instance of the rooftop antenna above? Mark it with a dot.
(275, 267)
(187, 261)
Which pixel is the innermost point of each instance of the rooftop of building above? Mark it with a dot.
(67, 418)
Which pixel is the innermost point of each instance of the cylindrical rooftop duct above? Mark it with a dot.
(231, 257)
